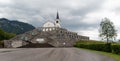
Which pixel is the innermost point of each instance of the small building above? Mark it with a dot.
(50, 33)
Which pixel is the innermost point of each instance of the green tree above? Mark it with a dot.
(1, 34)
(107, 30)
(5, 35)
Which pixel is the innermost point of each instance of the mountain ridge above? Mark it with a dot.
(14, 26)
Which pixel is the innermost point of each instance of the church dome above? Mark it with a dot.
(49, 24)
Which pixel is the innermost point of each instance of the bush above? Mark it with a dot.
(108, 47)
(116, 49)
(1, 44)
(5, 35)
(98, 47)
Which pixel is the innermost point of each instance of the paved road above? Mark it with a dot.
(50, 54)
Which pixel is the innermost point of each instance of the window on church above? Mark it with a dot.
(60, 31)
(50, 29)
(46, 29)
(43, 29)
(53, 29)
(57, 21)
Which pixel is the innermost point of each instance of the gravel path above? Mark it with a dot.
(50, 54)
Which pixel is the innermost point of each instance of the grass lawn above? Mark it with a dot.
(115, 56)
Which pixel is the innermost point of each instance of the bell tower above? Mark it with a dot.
(57, 21)
(57, 17)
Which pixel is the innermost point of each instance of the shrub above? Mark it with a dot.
(1, 44)
(116, 49)
(107, 47)
(98, 47)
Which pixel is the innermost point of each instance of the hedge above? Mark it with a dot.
(1, 44)
(98, 47)
(106, 47)
(116, 49)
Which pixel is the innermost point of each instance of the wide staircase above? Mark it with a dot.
(50, 42)
(36, 45)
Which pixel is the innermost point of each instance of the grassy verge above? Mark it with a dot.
(115, 56)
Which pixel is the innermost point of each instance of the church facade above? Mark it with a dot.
(50, 33)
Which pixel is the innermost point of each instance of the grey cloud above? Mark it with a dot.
(90, 7)
(36, 12)
(78, 24)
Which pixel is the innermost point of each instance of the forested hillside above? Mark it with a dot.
(5, 35)
(14, 26)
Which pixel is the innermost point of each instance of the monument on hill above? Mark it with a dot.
(50, 33)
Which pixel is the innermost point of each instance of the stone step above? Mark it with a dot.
(36, 45)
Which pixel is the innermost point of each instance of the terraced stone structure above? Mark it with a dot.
(51, 33)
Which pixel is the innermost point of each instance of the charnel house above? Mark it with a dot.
(51, 33)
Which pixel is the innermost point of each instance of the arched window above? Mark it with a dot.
(50, 29)
(53, 29)
(47, 29)
(43, 29)
(60, 31)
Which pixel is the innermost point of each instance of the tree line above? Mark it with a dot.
(5, 35)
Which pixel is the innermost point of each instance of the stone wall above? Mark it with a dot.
(57, 37)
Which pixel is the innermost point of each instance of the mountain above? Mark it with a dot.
(15, 27)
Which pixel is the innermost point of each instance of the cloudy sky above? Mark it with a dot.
(81, 16)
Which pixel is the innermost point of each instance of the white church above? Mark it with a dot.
(51, 25)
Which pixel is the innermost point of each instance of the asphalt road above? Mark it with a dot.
(50, 54)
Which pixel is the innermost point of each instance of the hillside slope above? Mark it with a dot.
(16, 27)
